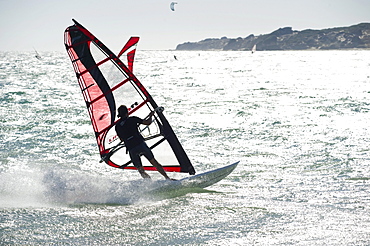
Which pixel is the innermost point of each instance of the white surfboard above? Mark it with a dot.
(202, 180)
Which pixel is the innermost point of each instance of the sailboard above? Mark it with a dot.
(202, 180)
(106, 82)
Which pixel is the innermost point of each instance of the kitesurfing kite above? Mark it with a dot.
(106, 82)
(172, 6)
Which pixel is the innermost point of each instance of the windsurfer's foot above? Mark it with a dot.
(145, 176)
(171, 179)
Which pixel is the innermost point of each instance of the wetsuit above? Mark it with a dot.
(127, 131)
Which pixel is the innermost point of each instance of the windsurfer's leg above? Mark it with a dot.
(146, 151)
(159, 167)
(135, 158)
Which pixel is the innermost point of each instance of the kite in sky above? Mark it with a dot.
(172, 6)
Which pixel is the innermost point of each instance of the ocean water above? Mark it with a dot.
(298, 122)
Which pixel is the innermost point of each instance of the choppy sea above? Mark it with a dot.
(298, 122)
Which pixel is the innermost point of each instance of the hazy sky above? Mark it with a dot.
(41, 23)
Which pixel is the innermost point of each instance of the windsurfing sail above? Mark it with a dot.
(129, 51)
(254, 48)
(37, 55)
(172, 6)
(106, 83)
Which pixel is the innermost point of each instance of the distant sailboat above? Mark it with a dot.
(254, 48)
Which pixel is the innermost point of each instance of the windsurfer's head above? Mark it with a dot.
(122, 111)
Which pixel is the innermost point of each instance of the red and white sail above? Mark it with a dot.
(106, 83)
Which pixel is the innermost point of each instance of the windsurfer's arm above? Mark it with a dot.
(148, 120)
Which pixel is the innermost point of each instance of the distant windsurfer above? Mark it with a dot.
(127, 131)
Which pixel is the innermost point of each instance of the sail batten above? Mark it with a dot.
(106, 83)
(113, 89)
(97, 65)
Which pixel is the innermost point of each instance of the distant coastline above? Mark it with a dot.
(351, 37)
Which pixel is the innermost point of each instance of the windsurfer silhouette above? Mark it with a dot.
(127, 131)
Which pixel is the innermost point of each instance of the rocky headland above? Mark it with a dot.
(352, 37)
